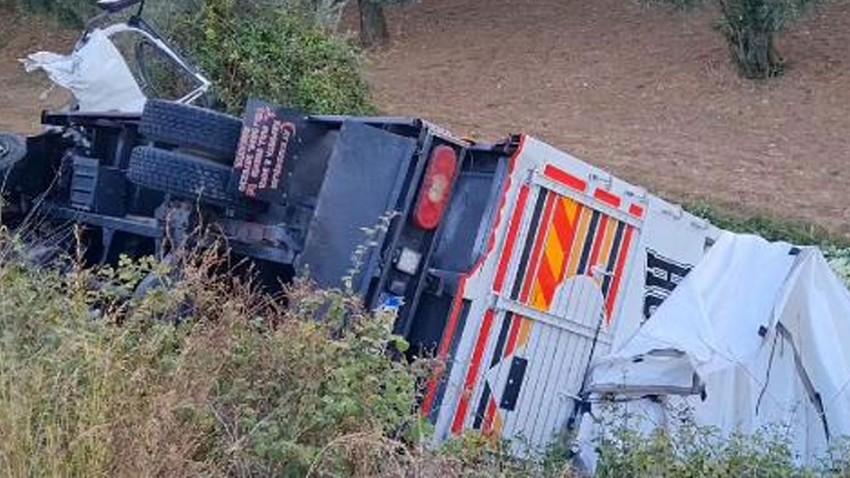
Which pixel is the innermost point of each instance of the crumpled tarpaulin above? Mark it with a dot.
(756, 336)
(96, 74)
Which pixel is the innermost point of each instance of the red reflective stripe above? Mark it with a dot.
(606, 197)
(565, 178)
(511, 240)
(636, 210)
(512, 338)
(443, 352)
(504, 200)
(530, 272)
(472, 374)
(568, 247)
(448, 334)
(618, 274)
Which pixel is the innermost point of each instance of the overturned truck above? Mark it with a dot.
(530, 274)
(514, 262)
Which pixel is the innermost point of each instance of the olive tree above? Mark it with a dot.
(750, 28)
(373, 23)
(373, 20)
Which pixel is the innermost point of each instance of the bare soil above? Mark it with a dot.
(646, 92)
(23, 96)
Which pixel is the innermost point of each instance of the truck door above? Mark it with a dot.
(555, 291)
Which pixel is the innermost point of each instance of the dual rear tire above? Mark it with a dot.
(197, 130)
(191, 155)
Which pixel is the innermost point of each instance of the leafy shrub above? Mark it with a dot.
(70, 12)
(209, 377)
(479, 455)
(274, 49)
(664, 454)
(836, 249)
(276, 53)
(771, 228)
(689, 450)
(839, 260)
(94, 382)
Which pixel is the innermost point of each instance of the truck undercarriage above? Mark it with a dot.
(395, 209)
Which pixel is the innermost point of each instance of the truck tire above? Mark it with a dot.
(190, 127)
(13, 148)
(183, 175)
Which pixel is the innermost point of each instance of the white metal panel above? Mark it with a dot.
(538, 348)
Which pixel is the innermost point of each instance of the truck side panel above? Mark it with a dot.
(547, 298)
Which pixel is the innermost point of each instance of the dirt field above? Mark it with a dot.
(23, 96)
(645, 92)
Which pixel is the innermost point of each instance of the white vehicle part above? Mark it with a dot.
(566, 275)
(754, 337)
(95, 73)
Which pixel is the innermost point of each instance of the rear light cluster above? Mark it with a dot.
(436, 191)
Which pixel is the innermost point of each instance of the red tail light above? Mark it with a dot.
(436, 188)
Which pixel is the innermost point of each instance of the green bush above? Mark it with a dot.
(96, 383)
(690, 450)
(70, 12)
(835, 248)
(209, 377)
(770, 227)
(272, 49)
(276, 53)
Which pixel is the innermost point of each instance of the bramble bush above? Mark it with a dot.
(689, 449)
(278, 53)
(210, 376)
(95, 382)
(836, 249)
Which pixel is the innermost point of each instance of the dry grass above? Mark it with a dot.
(209, 377)
(95, 383)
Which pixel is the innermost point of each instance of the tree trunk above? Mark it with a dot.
(373, 24)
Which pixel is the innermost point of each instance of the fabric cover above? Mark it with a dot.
(96, 74)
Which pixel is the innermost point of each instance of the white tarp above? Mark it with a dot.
(96, 74)
(757, 335)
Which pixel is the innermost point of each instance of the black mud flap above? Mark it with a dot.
(362, 184)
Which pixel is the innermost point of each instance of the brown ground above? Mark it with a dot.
(645, 92)
(23, 96)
